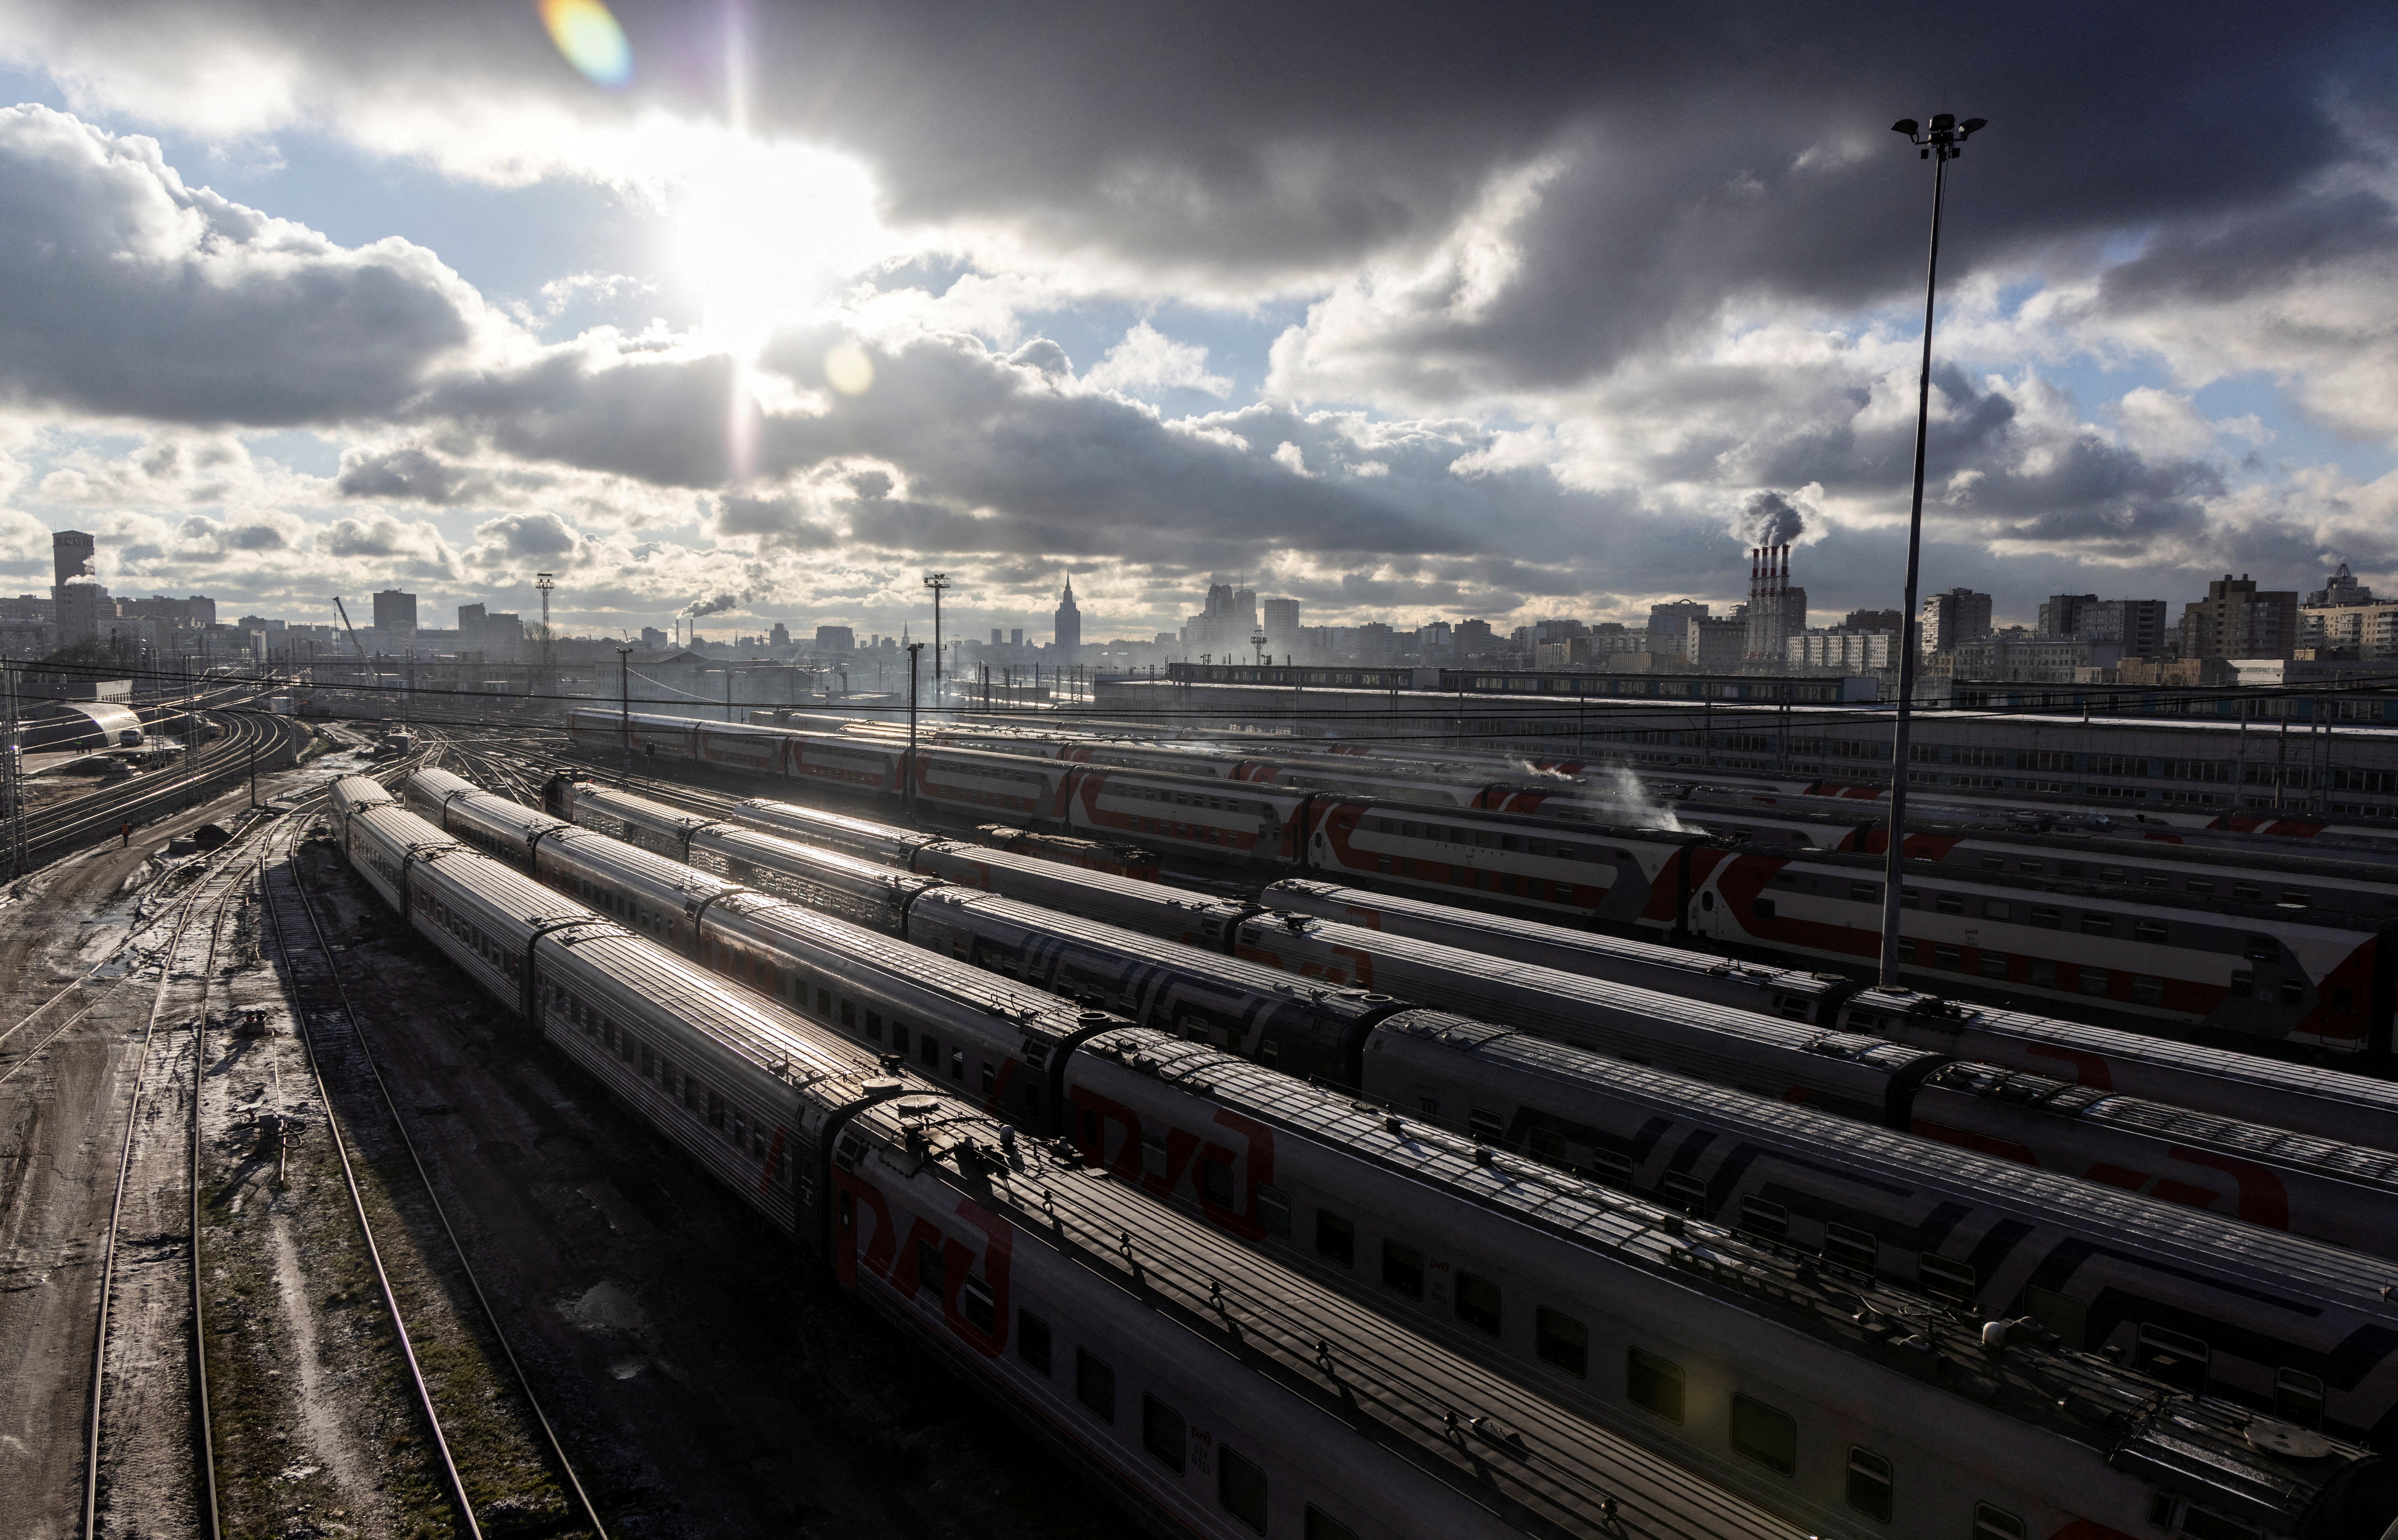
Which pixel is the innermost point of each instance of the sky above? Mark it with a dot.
(761, 312)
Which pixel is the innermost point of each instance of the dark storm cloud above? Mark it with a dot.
(129, 295)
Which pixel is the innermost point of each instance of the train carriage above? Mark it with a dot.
(975, 782)
(1618, 875)
(730, 746)
(1220, 821)
(849, 765)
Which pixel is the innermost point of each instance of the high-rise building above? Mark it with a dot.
(82, 606)
(836, 639)
(652, 639)
(1066, 627)
(2235, 621)
(1669, 623)
(1280, 619)
(395, 613)
(1953, 618)
(1892, 621)
(2341, 591)
(471, 618)
(2062, 614)
(2139, 624)
(779, 637)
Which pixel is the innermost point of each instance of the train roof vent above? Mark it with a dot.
(882, 1086)
(917, 1106)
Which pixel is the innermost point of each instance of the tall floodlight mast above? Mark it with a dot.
(1943, 142)
(938, 583)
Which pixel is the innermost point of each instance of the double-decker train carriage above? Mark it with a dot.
(1240, 1007)
(2304, 977)
(1209, 1389)
(1112, 857)
(1415, 1222)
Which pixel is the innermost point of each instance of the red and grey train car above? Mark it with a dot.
(1184, 1375)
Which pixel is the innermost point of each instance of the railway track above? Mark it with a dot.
(271, 742)
(476, 1470)
(147, 1468)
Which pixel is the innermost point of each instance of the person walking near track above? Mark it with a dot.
(126, 831)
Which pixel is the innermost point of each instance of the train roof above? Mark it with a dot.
(1865, 1010)
(2069, 1394)
(1320, 1346)
(1255, 977)
(1935, 875)
(800, 813)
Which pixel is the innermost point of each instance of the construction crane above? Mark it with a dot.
(344, 613)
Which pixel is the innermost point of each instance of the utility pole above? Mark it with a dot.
(546, 583)
(625, 707)
(16, 785)
(913, 648)
(1943, 144)
(938, 583)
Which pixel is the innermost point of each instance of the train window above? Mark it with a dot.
(1761, 1218)
(1403, 1269)
(1994, 964)
(1241, 1487)
(2294, 992)
(1991, 1523)
(2248, 893)
(1764, 908)
(649, 1064)
(958, 1064)
(1152, 1155)
(989, 1077)
(1320, 1525)
(2110, 873)
(2155, 879)
(1905, 950)
(2200, 885)
(1994, 863)
(1684, 1191)
(2046, 919)
(874, 1025)
(1547, 1145)
(824, 1002)
(1031, 1339)
(2097, 924)
(1484, 1127)
(1095, 1385)
(2059, 1313)
(1613, 1168)
(1864, 893)
(1948, 903)
(1216, 1182)
(715, 1110)
(1995, 908)
(2297, 895)
(2069, 869)
(1163, 1432)
(2342, 1001)
(1274, 1210)
(690, 1091)
(1509, 842)
(2148, 991)
(2097, 980)
(1870, 1484)
(1477, 1303)
(1948, 957)
(928, 1049)
(2029, 868)
(1653, 1383)
(1945, 1279)
(1335, 1237)
(1385, 864)
(2261, 948)
(1561, 1339)
(928, 1268)
(1411, 831)
(2299, 1398)
(1765, 1434)
(1850, 1248)
(1909, 899)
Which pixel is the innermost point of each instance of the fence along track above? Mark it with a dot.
(318, 989)
(209, 895)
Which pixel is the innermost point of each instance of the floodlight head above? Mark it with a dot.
(1943, 121)
(1906, 126)
(1973, 124)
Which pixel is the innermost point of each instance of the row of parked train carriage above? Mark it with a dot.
(1249, 1305)
(2104, 936)
(1473, 778)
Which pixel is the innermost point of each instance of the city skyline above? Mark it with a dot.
(2156, 364)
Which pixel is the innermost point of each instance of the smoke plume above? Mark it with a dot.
(1770, 518)
(698, 607)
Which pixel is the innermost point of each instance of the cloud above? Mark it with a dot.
(130, 294)
(1149, 360)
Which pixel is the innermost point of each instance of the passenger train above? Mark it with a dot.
(2137, 1272)
(2242, 969)
(1213, 1391)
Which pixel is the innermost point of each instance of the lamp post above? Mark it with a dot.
(913, 648)
(937, 582)
(624, 708)
(1941, 143)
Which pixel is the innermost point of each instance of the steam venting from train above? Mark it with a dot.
(1647, 811)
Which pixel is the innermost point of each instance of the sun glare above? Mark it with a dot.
(766, 232)
(586, 33)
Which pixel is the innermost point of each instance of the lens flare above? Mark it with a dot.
(588, 34)
(849, 370)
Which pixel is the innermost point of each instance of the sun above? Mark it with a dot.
(767, 231)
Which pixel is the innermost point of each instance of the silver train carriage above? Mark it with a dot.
(1680, 1402)
(1174, 1371)
(2247, 1339)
